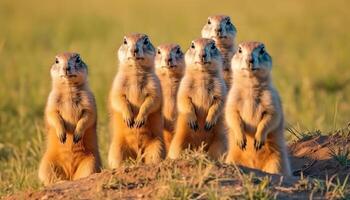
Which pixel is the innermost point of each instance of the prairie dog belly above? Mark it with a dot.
(251, 115)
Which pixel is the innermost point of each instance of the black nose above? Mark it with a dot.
(219, 31)
(136, 50)
(251, 60)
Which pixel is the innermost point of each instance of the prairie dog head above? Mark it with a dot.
(69, 68)
(203, 55)
(169, 58)
(252, 59)
(138, 50)
(220, 29)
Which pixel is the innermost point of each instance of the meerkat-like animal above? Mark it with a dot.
(70, 116)
(221, 29)
(136, 102)
(170, 66)
(200, 102)
(254, 113)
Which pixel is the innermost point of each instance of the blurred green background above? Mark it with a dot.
(308, 40)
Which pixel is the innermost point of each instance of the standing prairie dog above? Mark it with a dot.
(221, 29)
(254, 113)
(170, 66)
(70, 116)
(135, 103)
(200, 102)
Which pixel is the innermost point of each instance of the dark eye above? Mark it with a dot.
(125, 41)
(228, 22)
(158, 51)
(262, 50)
(209, 22)
(146, 42)
(239, 50)
(57, 61)
(213, 47)
(78, 60)
(178, 51)
(192, 46)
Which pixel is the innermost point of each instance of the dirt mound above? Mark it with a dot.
(196, 177)
(321, 156)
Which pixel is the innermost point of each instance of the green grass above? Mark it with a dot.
(308, 40)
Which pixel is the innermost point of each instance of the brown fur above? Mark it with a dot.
(170, 66)
(70, 116)
(254, 113)
(221, 29)
(135, 102)
(200, 102)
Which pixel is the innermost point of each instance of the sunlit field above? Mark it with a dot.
(309, 42)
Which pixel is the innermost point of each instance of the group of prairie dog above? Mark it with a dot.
(217, 96)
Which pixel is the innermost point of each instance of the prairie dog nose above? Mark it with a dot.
(136, 51)
(204, 56)
(170, 61)
(251, 60)
(68, 68)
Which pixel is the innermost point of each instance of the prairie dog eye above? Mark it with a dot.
(125, 41)
(78, 59)
(159, 52)
(239, 50)
(262, 50)
(57, 61)
(209, 22)
(146, 42)
(192, 46)
(178, 51)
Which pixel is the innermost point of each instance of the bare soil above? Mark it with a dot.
(311, 159)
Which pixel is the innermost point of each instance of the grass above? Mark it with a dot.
(341, 156)
(309, 42)
(194, 176)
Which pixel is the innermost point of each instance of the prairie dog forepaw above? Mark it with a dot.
(242, 143)
(77, 137)
(139, 122)
(208, 125)
(258, 144)
(193, 125)
(62, 136)
(129, 121)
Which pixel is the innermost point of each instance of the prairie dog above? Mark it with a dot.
(135, 104)
(200, 102)
(254, 113)
(70, 116)
(170, 66)
(221, 29)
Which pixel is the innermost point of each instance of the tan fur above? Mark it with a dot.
(135, 103)
(170, 66)
(254, 113)
(70, 116)
(200, 102)
(221, 29)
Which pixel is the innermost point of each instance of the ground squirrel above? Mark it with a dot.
(200, 102)
(221, 29)
(135, 102)
(254, 113)
(70, 115)
(170, 66)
